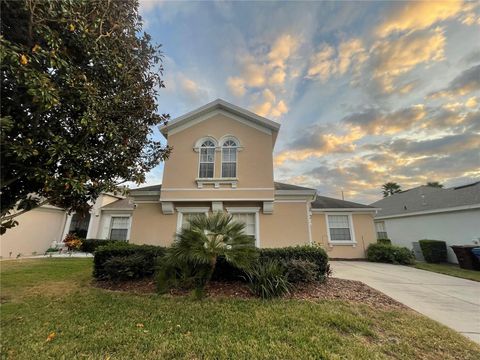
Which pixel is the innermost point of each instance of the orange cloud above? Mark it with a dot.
(417, 15)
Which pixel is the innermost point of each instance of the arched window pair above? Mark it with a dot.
(207, 159)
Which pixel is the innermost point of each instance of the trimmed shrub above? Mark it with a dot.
(389, 254)
(384, 241)
(301, 271)
(122, 249)
(125, 267)
(90, 245)
(268, 279)
(434, 251)
(316, 255)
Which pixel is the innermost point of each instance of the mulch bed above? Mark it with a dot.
(332, 289)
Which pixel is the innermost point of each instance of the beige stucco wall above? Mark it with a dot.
(364, 230)
(254, 161)
(287, 226)
(36, 231)
(150, 226)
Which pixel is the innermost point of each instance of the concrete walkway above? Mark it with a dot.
(451, 301)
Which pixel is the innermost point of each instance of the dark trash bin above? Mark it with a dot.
(466, 258)
(476, 252)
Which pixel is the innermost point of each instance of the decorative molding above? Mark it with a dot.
(216, 182)
(218, 199)
(193, 209)
(241, 209)
(167, 208)
(268, 207)
(217, 206)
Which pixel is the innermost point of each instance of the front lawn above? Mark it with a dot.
(46, 296)
(449, 269)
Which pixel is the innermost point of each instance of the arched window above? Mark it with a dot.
(229, 159)
(207, 160)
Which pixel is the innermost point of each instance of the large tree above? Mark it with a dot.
(390, 188)
(79, 84)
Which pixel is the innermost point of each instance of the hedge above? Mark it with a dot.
(434, 251)
(389, 254)
(90, 245)
(149, 254)
(384, 241)
(226, 272)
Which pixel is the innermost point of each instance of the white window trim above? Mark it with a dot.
(249, 210)
(198, 148)
(236, 157)
(353, 242)
(120, 216)
(188, 210)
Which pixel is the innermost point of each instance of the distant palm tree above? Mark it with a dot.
(204, 239)
(434, 184)
(390, 188)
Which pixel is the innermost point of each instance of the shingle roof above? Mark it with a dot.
(149, 188)
(427, 198)
(323, 202)
(119, 204)
(283, 186)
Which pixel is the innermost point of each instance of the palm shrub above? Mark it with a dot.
(198, 246)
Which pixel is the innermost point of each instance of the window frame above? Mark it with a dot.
(352, 241)
(109, 235)
(384, 230)
(199, 147)
(189, 210)
(249, 210)
(235, 147)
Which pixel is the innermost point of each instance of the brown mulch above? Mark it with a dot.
(332, 289)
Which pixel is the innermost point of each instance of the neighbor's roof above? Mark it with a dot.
(429, 199)
(323, 202)
(283, 186)
(148, 188)
(122, 204)
(220, 104)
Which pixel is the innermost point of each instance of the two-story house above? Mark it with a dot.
(222, 160)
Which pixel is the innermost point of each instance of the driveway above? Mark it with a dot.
(451, 301)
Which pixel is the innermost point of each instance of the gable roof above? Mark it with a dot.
(219, 104)
(425, 199)
(324, 202)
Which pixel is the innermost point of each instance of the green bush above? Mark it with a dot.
(125, 267)
(122, 249)
(316, 255)
(384, 241)
(301, 271)
(268, 279)
(434, 251)
(389, 254)
(90, 245)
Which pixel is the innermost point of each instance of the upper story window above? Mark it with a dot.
(207, 160)
(229, 159)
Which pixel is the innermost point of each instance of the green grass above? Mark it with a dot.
(55, 295)
(450, 269)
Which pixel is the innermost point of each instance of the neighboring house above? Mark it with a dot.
(451, 215)
(47, 226)
(222, 161)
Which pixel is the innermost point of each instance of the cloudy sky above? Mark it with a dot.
(366, 92)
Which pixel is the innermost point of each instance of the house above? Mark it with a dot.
(47, 226)
(222, 160)
(425, 212)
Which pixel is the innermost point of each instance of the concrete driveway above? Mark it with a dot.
(451, 301)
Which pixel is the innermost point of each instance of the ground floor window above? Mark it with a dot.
(119, 227)
(79, 225)
(381, 230)
(339, 228)
(249, 220)
(186, 217)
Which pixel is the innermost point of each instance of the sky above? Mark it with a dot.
(365, 92)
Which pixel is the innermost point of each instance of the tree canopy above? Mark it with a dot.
(390, 188)
(79, 87)
(434, 184)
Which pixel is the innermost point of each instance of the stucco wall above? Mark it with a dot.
(455, 228)
(364, 230)
(36, 231)
(150, 226)
(254, 161)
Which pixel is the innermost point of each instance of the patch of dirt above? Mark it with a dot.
(332, 289)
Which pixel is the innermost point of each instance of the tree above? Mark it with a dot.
(390, 188)
(434, 184)
(79, 83)
(199, 245)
